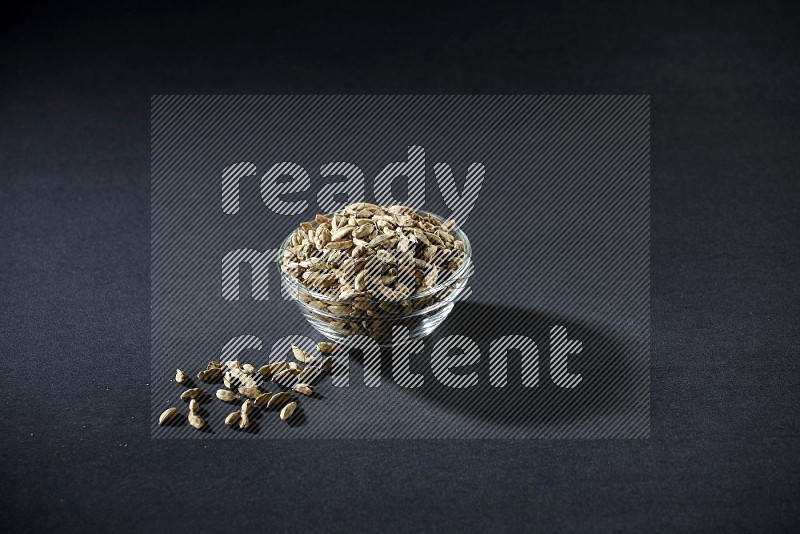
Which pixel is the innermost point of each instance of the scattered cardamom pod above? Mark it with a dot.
(250, 392)
(167, 415)
(244, 421)
(226, 395)
(285, 373)
(285, 378)
(302, 356)
(232, 418)
(309, 373)
(326, 347)
(277, 367)
(305, 389)
(288, 410)
(209, 374)
(278, 399)
(191, 393)
(243, 379)
(327, 364)
(262, 399)
(196, 421)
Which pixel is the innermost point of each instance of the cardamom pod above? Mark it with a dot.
(167, 415)
(244, 421)
(285, 378)
(209, 374)
(305, 389)
(226, 395)
(288, 410)
(191, 393)
(277, 367)
(327, 364)
(232, 418)
(310, 373)
(196, 421)
(302, 356)
(278, 399)
(262, 399)
(250, 392)
(326, 347)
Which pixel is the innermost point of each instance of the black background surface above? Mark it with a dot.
(74, 242)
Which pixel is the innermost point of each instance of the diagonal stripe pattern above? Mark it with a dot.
(553, 341)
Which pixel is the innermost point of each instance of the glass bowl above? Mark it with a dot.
(420, 314)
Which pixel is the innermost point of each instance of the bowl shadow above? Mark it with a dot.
(614, 371)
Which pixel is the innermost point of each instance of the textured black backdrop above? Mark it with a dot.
(74, 254)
